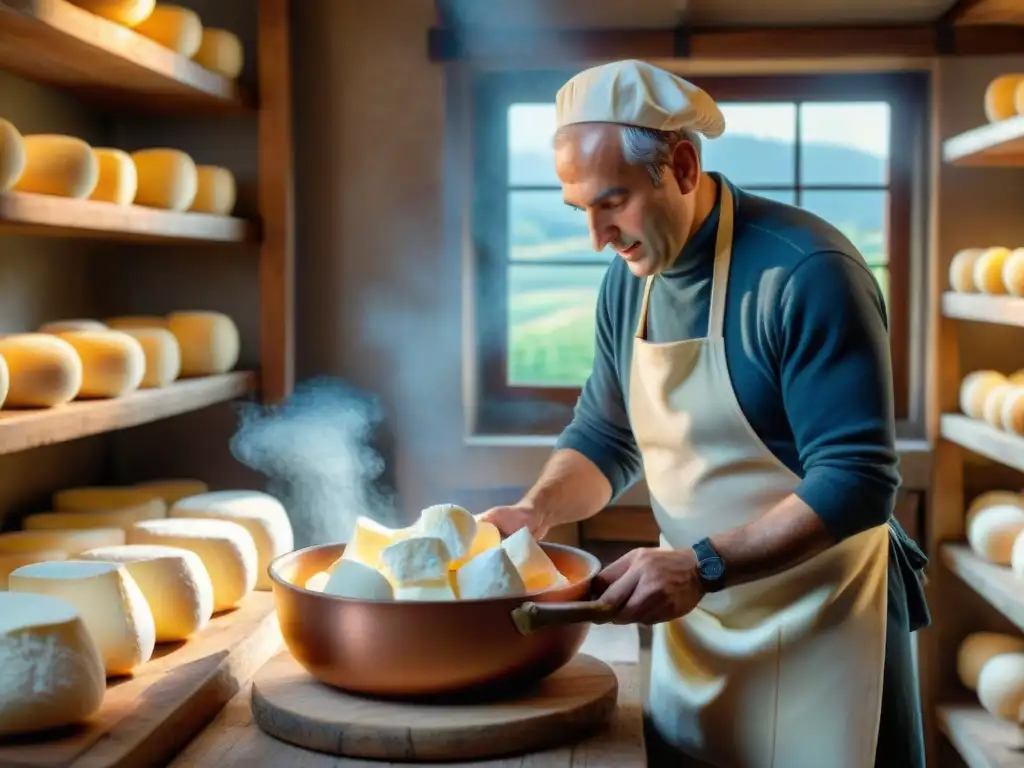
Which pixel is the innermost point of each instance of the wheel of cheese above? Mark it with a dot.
(991, 499)
(57, 327)
(1017, 557)
(44, 370)
(62, 166)
(124, 518)
(113, 362)
(91, 498)
(1001, 686)
(1001, 97)
(128, 13)
(118, 180)
(209, 342)
(174, 582)
(53, 673)
(162, 353)
(1013, 411)
(108, 600)
(215, 191)
(992, 412)
(220, 51)
(977, 648)
(173, 27)
(136, 321)
(974, 390)
(961, 270)
(991, 532)
(988, 270)
(167, 179)
(1013, 272)
(5, 380)
(69, 541)
(262, 515)
(11, 561)
(173, 489)
(226, 549)
(12, 155)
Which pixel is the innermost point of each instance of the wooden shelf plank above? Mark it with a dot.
(58, 44)
(983, 308)
(983, 439)
(24, 429)
(995, 144)
(982, 740)
(49, 216)
(995, 583)
(146, 719)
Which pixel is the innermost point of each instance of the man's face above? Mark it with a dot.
(646, 225)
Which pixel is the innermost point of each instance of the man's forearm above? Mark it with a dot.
(570, 488)
(786, 536)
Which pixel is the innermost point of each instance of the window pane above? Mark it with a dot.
(758, 146)
(860, 215)
(531, 156)
(541, 227)
(551, 324)
(787, 196)
(844, 143)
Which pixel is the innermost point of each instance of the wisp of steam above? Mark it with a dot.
(316, 451)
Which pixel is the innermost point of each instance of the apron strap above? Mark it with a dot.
(723, 256)
(641, 325)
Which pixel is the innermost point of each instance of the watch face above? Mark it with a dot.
(712, 568)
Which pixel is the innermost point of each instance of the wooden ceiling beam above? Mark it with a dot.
(986, 12)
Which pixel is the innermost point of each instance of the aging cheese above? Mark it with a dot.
(52, 671)
(171, 490)
(71, 541)
(961, 270)
(174, 582)
(415, 560)
(455, 526)
(136, 321)
(167, 179)
(173, 27)
(162, 353)
(262, 515)
(977, 648)
(226, 549)
(215, 191)
(974, 390)
(58, 165)
(1000, 97)
(12, 155)
(118, 179)
(100, 497)
(108, 600)
(220, 51)
(125, 12)
(44, 370)
(532, 562)
(74, 324)
(490, 574)
(209, 342)
(1013, 272)
(988, 270)
(992, 531)
(357, 582)
(991, 498)
(1001, 686)
(113, 362)
(1013, 411)
(5, 380)
(13, 560)
(124, 517)
(992, 412)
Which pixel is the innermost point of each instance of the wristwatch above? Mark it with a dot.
(710, 567)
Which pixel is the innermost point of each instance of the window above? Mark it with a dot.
(840, 146)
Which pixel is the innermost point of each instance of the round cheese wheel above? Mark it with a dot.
(992, 412)
(977, 648)
(174, 582)
(209, 342)
(118, 179)
(69, 541)
(113, 362)
(125, 12)
(136, 321)
(58, 165)
(162, 353)
(1013, 411)
(993, 498)
(173, 489)
(53, 671)
(11, 561)
(1000, 99)
(5, 380)
(988, 270)
(975, 389)
(167, 179)
(125, 518)
(1001, 686)
(215, 191)
(220, 51)
(992, 531)
(1017, 557)
(76, 324)
(173, 27)
(961, 270)
(44, 370)
(91, 498)
(12, 155)
(1013, 272)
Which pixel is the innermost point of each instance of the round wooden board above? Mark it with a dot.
(291, 705)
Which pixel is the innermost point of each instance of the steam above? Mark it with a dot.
(316, 451)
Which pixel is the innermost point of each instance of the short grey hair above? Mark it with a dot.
(653, 148)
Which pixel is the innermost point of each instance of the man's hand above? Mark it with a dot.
(508, 520)
(649, 585)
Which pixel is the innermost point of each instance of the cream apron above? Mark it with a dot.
(784, 672)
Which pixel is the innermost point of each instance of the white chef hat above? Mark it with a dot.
(636, 93)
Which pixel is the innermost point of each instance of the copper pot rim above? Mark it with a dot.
(274, 566)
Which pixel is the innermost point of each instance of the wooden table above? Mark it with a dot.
(233, 739)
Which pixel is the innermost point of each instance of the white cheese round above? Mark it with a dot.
(975, 388)
(1001, 686)
(961, 270)
(1013, 272)
(12, 561)
(992, 530)
(1013, 411)
(172, 489)
(977, 648)
(70, 541)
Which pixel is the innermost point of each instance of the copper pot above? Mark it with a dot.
(405, 649)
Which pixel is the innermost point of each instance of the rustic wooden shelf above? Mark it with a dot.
(24, 429)
(982, 740)
(59, 44)
(46, 215)
(983, 439)
(983, 308)
(998, 144)
(996, 583)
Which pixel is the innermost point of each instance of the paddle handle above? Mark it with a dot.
(529, 617)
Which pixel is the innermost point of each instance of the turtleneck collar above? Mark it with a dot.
(699, 250)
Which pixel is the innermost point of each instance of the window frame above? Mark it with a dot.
(516, 410)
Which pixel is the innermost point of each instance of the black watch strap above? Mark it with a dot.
(710, 567)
